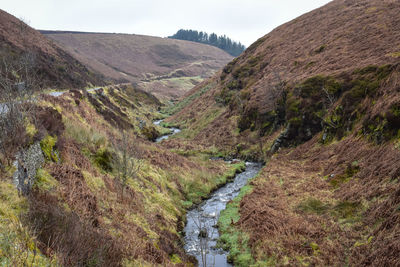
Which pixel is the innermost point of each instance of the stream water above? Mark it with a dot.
(201, 234)
(163, 137)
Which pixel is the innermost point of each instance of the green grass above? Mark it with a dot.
(199, 189)
(201, 123)
(345, 211)
(44, 181)
(313, 205)
(188, 100)
(231, 238)
(47, 145)
(17, 242)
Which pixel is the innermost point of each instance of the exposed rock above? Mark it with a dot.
(150, 133)
(281, 138)
(27, 163)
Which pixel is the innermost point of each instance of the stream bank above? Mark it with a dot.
(201, 233)
(166, 136)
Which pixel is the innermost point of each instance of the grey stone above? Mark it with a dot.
(278, 141)
(27, 163)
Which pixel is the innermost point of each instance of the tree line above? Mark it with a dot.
(220, 41)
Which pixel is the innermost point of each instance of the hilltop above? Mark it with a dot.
(318, 100)
(165, 67)
(53, 66)
(222, 41)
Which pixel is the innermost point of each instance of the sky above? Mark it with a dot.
(241, 20)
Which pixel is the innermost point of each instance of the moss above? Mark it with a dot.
(293, 106)
(150, 132)
(44, 181)
(17, 242)
(48, 147)
(248, 119)
(375, 72)
(395, 54)
(187, 204)
(31, 129)
(254, 60)
(196, 190)
(349, 172)
(188, 100)
(346, 209)
(362, 88)
(320, 49)
(315, 85)
(366, 70)
(383, 127)
(232, 238)
(312, 205)
(103, 159)
(310, 64)
(225, 96)
(234, 85)
(175, 259)
(368, 80)
(315, 248)
(95, 183)
(341, 120)
(85, 135)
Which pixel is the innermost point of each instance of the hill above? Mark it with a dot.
(223, 42)
(318, 99)
(94, 189)
(52, 66)
(162, 66)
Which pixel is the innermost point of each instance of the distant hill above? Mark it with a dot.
(53, 66)
(221, 41)
(163, 66)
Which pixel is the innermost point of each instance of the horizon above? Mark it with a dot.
(241, 22)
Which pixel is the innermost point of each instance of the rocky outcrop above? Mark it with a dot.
(27, 163)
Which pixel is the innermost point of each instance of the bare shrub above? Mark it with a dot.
(74, 240)
(18, 82)
(126, 161)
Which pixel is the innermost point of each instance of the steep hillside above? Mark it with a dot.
(103, 194)
(52, 66)
(162, 66)
(318, 99)
(334, 40)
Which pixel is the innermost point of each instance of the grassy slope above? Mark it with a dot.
(330, 195)
(163, 66)
(53, 67)
(82, 193)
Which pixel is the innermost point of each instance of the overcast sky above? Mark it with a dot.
(241, 20)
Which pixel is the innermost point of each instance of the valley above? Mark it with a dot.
(165, 67)
(146, 151)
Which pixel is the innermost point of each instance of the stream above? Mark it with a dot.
(205, 217)
(166, 136)
(201, 233)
